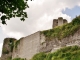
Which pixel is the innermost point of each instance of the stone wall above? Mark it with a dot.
(28, 46)
(58, 22)
(55, 23)
(7, 48)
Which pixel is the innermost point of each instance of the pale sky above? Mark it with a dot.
(40, 16)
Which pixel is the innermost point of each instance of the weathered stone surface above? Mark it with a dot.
(28, 46)
(7, 49)
(58, 22)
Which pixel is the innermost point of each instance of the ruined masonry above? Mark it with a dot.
(58, 22)
(35, 43)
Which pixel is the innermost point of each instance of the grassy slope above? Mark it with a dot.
(66, 53)
(64, 30)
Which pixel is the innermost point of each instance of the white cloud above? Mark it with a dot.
(40, 16)
(1, 48)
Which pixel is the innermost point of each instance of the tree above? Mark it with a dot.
(13, 8)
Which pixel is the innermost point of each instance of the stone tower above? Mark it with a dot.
(58, 22)
(7, 48)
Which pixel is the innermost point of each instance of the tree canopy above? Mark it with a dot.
(13, 8)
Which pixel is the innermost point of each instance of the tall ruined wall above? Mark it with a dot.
(55, 23)
(58, 22)
(28, 46)
(7, 48)
(25, 47)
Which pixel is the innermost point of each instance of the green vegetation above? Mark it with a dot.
(40, 56)
(16, 43)
(66, 53)
(11, 43)
(9, 58)
(19, 59)
(13, 8)
(5, 51)
(64, 30)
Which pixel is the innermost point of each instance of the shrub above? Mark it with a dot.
(19, 59)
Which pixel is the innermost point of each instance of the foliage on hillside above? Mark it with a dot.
(64, 30)
(66, 53)
(16, 43)
(19, 59)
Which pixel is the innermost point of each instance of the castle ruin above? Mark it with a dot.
(58, 22)
(28, 46)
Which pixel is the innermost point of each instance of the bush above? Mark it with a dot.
(19, 59)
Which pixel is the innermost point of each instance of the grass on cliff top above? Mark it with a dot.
(19, 59)
(64, 30)
(66, 53)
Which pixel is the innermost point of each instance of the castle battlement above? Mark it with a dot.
(58, 22)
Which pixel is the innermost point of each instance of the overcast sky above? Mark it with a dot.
(40, 16)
